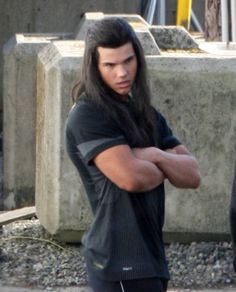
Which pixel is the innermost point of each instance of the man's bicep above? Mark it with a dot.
(119, 164)
(115, 162)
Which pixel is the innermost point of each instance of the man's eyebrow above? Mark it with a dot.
(130, 57)
(107, 62)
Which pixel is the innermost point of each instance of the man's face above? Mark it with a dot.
(118, 67)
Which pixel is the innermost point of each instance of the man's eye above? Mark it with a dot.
(129, 60)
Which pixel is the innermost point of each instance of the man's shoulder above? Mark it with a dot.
(84, 109)
(83, 103)
(158, 115)
(87, 114)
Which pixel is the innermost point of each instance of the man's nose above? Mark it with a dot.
(122, 71)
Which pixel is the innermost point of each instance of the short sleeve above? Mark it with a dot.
(92, 130)
(167, 139)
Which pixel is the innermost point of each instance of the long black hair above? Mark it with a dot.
(113, 32)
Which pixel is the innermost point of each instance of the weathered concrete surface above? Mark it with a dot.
(61, 204)
(19, 89)
(87, 20)
(139, 25)
(196, 93)
(173, 37)
(219, 48)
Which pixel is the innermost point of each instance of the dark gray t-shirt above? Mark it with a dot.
(124, 240)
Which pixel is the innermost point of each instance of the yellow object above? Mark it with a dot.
(184, 13)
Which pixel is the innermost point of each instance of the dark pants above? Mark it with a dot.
(137, 285)
(233, 217)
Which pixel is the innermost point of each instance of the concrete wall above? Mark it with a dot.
(39, 16)
(196, 93)
(61, 202)
(19, 105)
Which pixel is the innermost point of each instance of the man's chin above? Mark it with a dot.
(123, 92)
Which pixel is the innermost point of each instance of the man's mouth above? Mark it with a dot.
(124, 84)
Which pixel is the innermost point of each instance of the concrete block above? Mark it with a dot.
(139, 25)
(88, 19)
(196, 93)
(219, 48)
(19, 90)
(173, 37)
(61, 204)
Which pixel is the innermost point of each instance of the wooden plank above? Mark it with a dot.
(18, 214)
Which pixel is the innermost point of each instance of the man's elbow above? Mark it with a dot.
(131, 185)
(139, 185)
(197, 176)
(196, 182)
(191, 182)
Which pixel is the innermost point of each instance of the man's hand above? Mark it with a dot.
(177, 164)
(173, 151)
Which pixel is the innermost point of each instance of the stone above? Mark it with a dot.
(173, 37)
(88, 19)
(61, 203)
(19, 103)
(197, 95)
(219, 48)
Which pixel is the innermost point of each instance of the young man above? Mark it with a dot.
(123, 150)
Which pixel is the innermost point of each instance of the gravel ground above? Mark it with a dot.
(30, 258)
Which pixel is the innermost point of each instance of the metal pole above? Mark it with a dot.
(196, 22)
(161, 12)
(225, 21)
(151, 11)
(184, 13)
(233, 20)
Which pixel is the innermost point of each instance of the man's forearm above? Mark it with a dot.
(146, 176)
(180, 169)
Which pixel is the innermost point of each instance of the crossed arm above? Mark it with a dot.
(142, 169)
